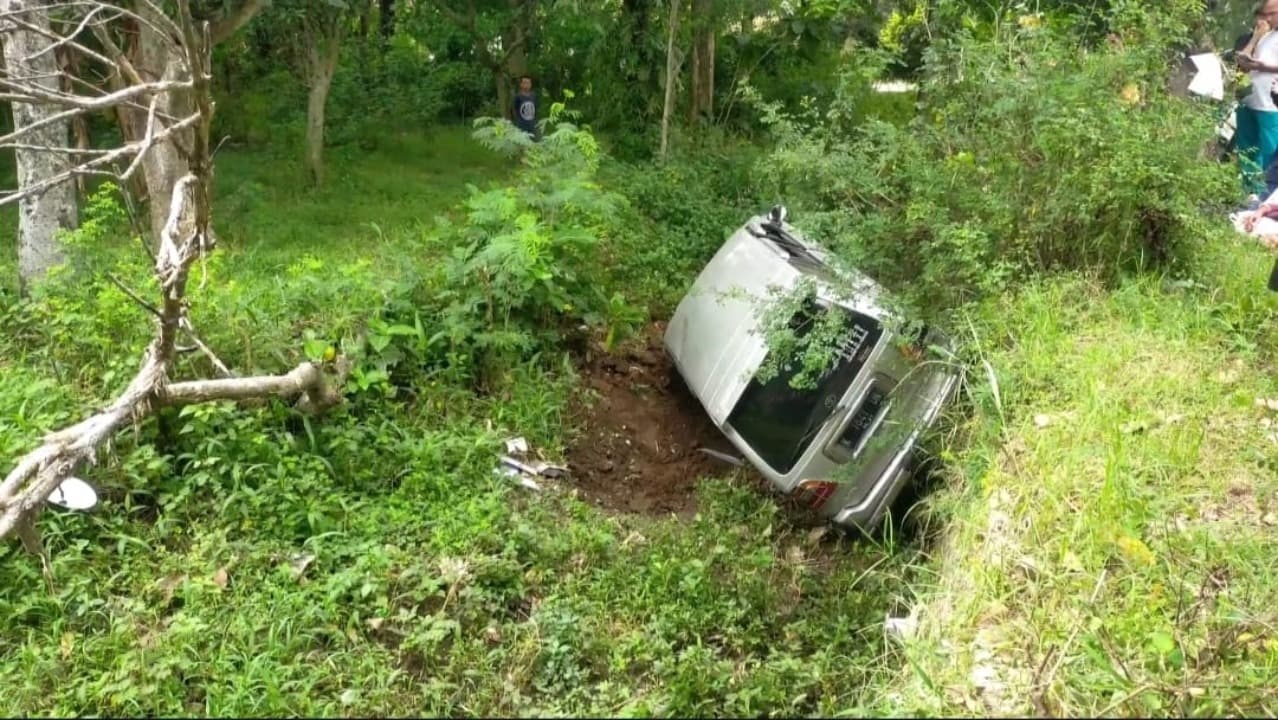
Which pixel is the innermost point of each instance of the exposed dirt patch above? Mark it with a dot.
(642, 427)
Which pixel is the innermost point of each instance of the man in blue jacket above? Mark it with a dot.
(525, 108)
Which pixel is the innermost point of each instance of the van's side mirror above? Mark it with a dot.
(778, 214)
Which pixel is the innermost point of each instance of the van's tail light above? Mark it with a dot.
(814, 493)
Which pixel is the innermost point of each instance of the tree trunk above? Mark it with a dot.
(322, 63)
(636, 14)
(42, 216)
(386, 19)
(69, 63)
(505, 96)
(672, 71)
(163, 164)
(702, 100)
(515, 45)
(155, 56)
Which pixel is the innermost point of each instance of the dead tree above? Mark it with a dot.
(184, 239)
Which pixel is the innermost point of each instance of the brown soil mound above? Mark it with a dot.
(637, 451)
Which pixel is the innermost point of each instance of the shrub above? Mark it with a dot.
(1029, 155)
(522, 266)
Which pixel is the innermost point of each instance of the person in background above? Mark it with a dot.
(525, 109)
(1257, 118)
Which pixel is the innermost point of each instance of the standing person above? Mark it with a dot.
(1257, 118)
(525, 110)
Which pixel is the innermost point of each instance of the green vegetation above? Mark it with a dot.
(1097, 536)
(371, 563)
(1111, 529)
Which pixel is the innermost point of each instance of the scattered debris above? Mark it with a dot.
(1042, 420)
(221, 578)
(902, 627)
(524, 471)
(730, 459)
(1027, 567)
(170, 585)
(538, 468)
(1267, 403)
(816, 534)
(795, 556)
(454, 571)
(299, 564)
(374, 623)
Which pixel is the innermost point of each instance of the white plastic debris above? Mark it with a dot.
(514, 465)
(510, 472)
(74, 494)
(902, 627)
(722, 456)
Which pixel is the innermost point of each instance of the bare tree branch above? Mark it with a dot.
(94, 166)
(80, 105)
(133, 295)
(68, 39)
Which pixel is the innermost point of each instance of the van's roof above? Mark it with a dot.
(713, 335)
(843, 285)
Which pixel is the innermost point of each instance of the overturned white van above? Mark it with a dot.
(846, 447)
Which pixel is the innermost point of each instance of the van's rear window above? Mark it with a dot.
(778, 420)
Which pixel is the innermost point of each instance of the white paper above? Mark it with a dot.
(1209, 81)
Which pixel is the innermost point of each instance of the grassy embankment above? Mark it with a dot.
(1102, 539)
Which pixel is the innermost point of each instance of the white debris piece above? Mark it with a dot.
(74, 494)
(512, 465)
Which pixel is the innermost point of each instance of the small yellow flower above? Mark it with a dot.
(1030, 22)
(1136, 550)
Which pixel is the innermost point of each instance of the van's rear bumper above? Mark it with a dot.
(866, 514)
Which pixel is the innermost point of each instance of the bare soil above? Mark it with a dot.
(641, 428)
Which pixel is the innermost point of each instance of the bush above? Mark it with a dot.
(1029, 155)
(679, 213)
(522, 266)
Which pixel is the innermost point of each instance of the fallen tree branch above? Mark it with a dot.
(304, 379)
(185, 237)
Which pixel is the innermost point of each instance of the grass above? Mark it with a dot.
(371, 563)
(1105, 525)
(1111, 526)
